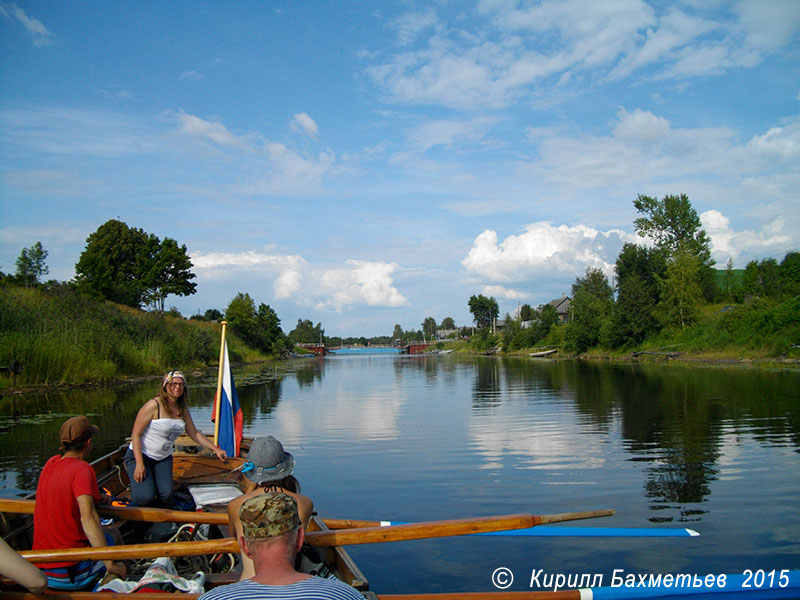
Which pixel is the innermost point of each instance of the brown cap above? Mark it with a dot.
(76, 430)
(269, 515)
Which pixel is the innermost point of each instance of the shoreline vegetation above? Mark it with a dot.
(665, 302)
(64, 339)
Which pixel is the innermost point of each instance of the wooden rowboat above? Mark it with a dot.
(543, 353)
(198, 470)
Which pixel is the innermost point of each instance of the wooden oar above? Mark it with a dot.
(163, 515)
(432, 529)
(130, 513)
(341, 537)
(543, 530)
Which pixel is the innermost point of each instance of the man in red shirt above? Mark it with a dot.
(65, 515)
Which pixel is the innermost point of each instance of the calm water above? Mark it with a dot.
(413, 438)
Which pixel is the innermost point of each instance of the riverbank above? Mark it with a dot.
(62, 338)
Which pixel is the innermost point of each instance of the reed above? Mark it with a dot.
(60, 337)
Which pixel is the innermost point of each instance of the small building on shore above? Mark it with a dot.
(562, 307)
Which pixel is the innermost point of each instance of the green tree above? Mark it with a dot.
(126, 265)
(638, 271)
(763, 278)
(271, 338)
(545, 317)
(110, 266)
(513, 335)
(241, 317)
(526, 313)
(484, 310)
(592, 302)
(306, 333)
(212, 314)
(673, 225)
(31, 265)
(680, 290)
(730, 279)
(429, 328)
(166, 270)
(790, 274)
(448, 323)
(397, 334)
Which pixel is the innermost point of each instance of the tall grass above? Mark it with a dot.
(60, 336)
(763, 328)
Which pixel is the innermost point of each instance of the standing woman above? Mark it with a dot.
(158, 424)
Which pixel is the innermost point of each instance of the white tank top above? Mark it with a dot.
(158, 439)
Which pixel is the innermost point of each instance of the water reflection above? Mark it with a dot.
(673, 432)
(677, 421)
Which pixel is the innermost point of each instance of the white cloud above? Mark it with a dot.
(642, 126)
(644, 148)
(285, 172)
(445, 132)
(356, 283)
(779, 143)
(498, 291)
(364, 283)
(747, 244)
(75, 132)
(306, 124)
(768, 24)
(40, 35)
(556, 44)
(287, 283)
(409, 26)
(49, 235)
(191, 76)
(208, 130)
(544, 250)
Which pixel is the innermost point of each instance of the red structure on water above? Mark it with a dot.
(417, 347)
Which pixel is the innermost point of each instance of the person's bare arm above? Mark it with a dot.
(143, 418)
(90, 521)
(16, 568)
(199, 437)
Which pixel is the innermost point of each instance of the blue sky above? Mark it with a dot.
(366, 164)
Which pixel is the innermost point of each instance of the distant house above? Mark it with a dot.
(562, 307)
(444, 334)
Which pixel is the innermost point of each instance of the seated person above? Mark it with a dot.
(65, 515)
(159, 422)
(269, 469)
(272, 536)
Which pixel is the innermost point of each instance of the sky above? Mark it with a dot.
(366, 164)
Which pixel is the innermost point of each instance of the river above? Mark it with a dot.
(414, 438)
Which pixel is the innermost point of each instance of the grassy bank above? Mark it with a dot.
(61, 337)
(763, 329)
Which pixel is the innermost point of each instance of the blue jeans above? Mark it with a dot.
(156, 488)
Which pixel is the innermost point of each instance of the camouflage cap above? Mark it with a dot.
(269, 515)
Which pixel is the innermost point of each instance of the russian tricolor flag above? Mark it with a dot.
(231, 421)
